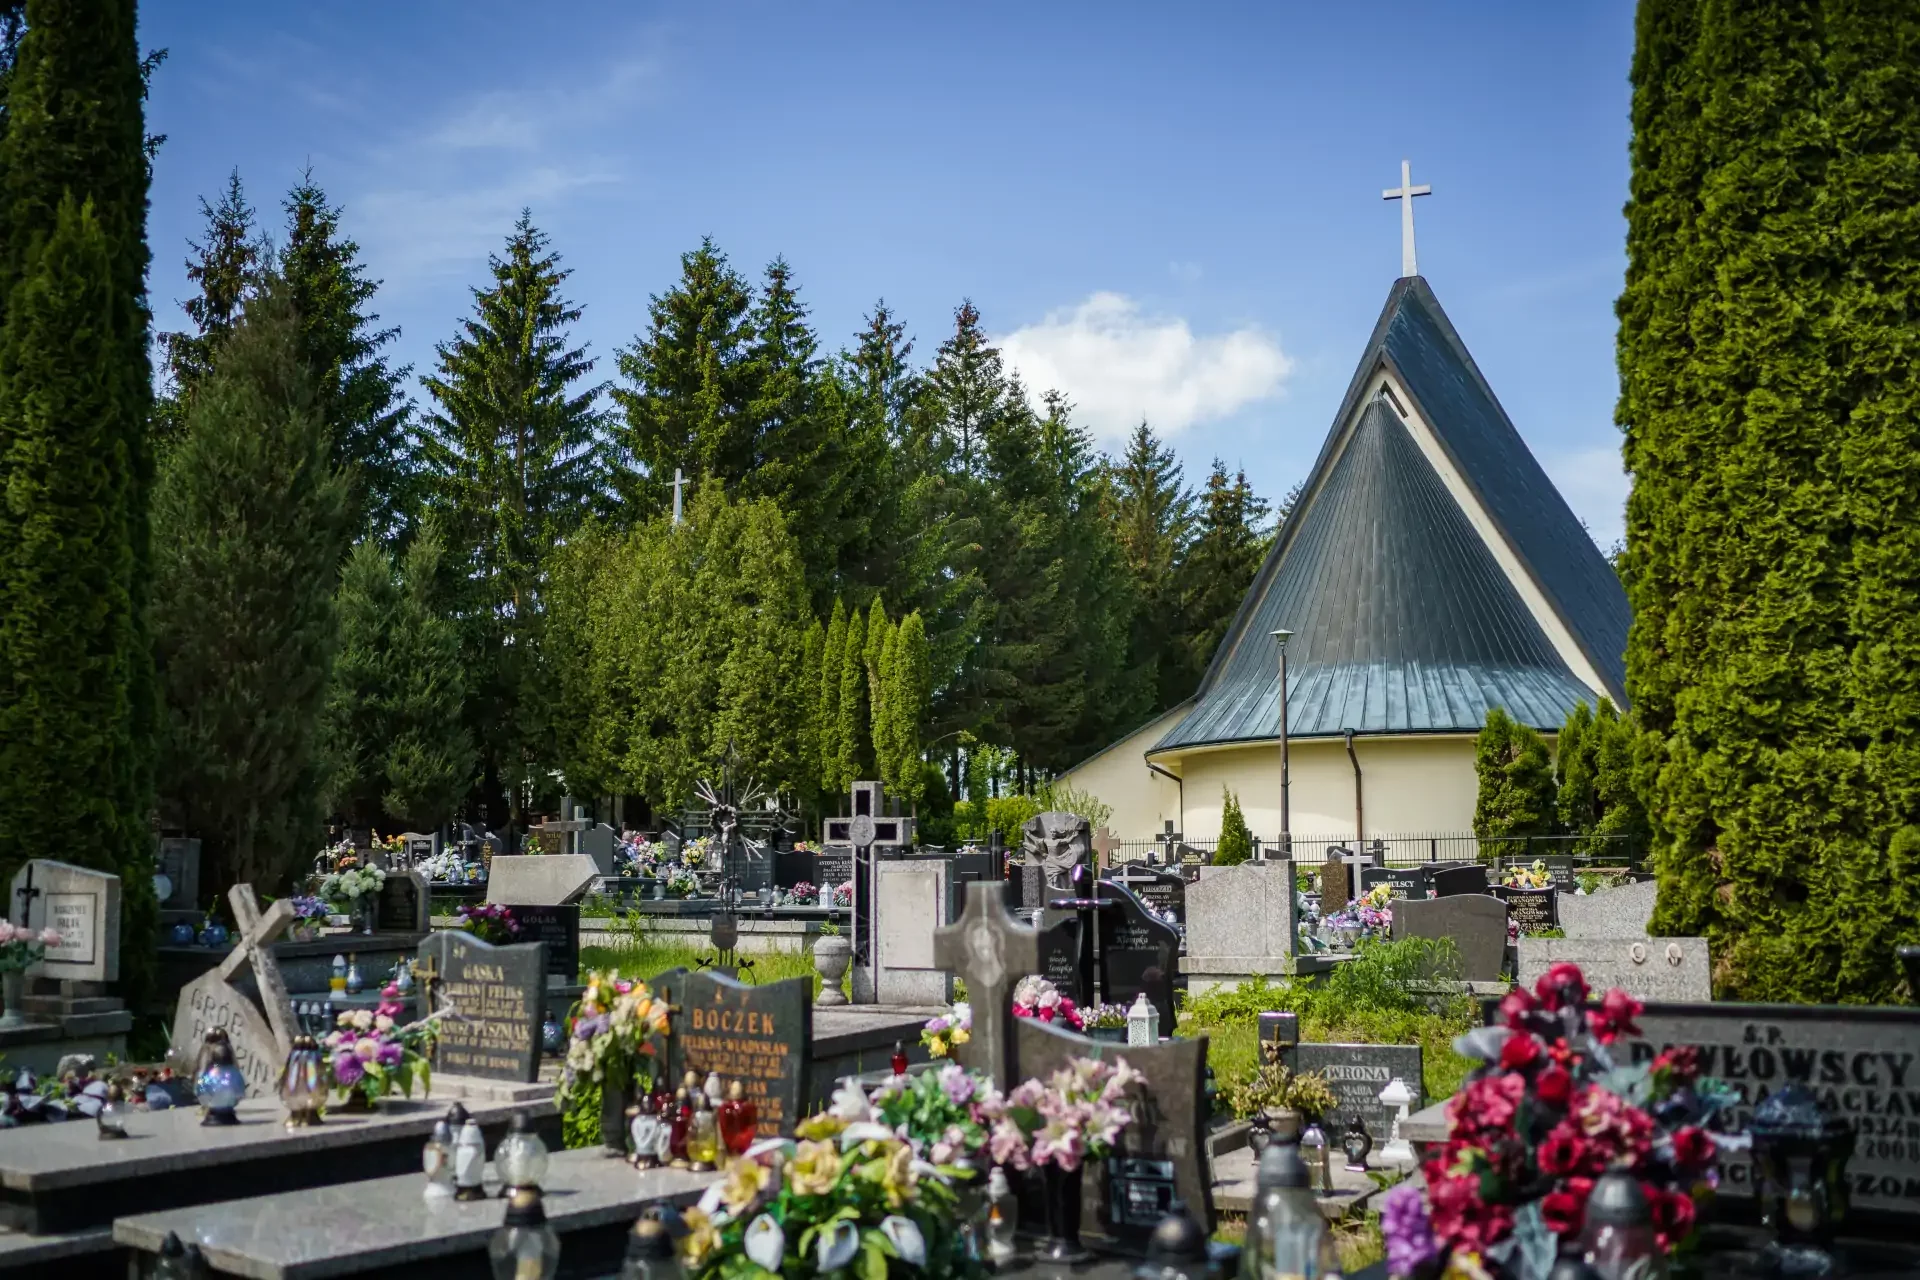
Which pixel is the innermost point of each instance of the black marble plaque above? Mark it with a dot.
(1139, 952)
(1060, 957)
(1162, 1148)
(1358, 1072)
(1862, 1062)
(761, 1036)
(1531, 909)
(559, 928)
(1401, 882)
(180, 862)
(1164, 891)
(833, 866)
(403, 903)
(499, 996)
(1457, 880)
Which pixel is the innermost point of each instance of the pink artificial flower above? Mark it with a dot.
(50, 937)
(1007, 1145)
(390, 1054)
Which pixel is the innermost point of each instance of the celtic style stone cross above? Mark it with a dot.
(991, 952)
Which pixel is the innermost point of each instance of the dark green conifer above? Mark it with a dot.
(223, 266)
(1236, 841)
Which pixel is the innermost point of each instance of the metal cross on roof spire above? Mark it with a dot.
(1405, 193)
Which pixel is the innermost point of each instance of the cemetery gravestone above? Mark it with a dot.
(180, 864)
(416, 847)
(540, 880)
(1138, 953)
(559, 928)
(84, 907)
(597, 842)
(1358, 1072)
(1056, 843)
(1335, 892)
(1863, 1062)
(910, 902)
(1402, 883)
(761, 1036)
(1476, 922)
(990, 952)
(1241, 921)
(1611, 913)
(1060, 958)
(1459, 880)
(1661, 969)
(835, 866)
(1279, 1032)
(492, 1001)
(404, 903)
(262, 1034)
(1033, 887)
(1164, 891)
(1531, 909)
(1160, 1156)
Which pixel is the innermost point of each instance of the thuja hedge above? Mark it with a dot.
(1770, 397)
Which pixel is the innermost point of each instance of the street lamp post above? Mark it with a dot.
(1280, 638)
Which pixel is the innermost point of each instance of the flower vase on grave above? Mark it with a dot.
(13, 990)
(616, 1099)
(1060, 1190)
(366, 909)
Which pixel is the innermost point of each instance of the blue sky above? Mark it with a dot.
(1171, 210)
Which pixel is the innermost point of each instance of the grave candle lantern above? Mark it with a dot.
(218, 1085)
(1619, 1241)
(644, 1127)
(650, 1254)
(526, 1246)
(337, 979)
(303, 1083)
(112, 1116)
(1398, 1150)
(1143, 1021)
(738, 1119)
(1357, 1142)
(437, 1161)
(470, 1162)
(1313, 1150)
(1800, 1153)
(521, 1157)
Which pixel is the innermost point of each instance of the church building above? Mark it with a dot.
(1429, 572)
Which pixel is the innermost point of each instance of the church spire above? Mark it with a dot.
(1405, 193)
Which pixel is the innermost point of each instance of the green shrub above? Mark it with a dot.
(1236, 842)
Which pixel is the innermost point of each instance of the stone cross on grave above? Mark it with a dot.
(1356, 862)
(991, 952)
(256, 934)
(1104, 843)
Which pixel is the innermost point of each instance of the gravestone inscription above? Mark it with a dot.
(1060, 957)
(262, 1033)
(492, 1000)
(1402, 882)
(1862, 1062)
(559, 928)
(759, 1035)
(404, 904)
(1164, 891)
(1358, 1072)
(1531, 909)
(83, 906)
(1138, 953)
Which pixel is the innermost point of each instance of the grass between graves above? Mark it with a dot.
(1375, 998)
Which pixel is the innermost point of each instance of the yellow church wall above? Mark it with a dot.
(1143, 801)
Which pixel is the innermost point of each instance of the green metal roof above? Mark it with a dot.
(1403, 620)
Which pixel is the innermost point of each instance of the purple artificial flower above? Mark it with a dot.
(347, 1071)
(957, 1084)
(1403, 1220)
(390, 1053)
(588, 1028)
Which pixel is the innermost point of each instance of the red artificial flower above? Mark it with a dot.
(1692, 1147)
(1672, 1214)
(1564, 1212)
(1516, 1002)
(1681, 1063)
(1562, 986)
(1487, 1105)
(1519, 1052)
(1614, 1017)
(1561, 1151)
(1461, 1218)
(1553, 1086)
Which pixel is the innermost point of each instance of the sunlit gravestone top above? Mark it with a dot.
(991, 952)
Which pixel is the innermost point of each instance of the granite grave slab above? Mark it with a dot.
(910, 902)
(1665, 969)
(540, 880)
(1458, 880)
(1358, 1072)
(1476, 922)
(1402, 882)
(1241, 921)
(559, 928)
(1611, 913)
(1531, 909)
(760, 1035)
(492, 1001)
(404, 904)
(1060, 957)
(1336, 890)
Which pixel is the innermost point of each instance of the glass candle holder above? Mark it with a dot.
(218, 1086)
(526, 1246)
(521, 1158)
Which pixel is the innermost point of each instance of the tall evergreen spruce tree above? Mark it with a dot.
(515, 460)
(909, 684)
(1153, 521)
(366, 409)
(812, 658)
(223, 267)
(77, 697)
(1768, 402)
(1577, 766)
(249, 520)
(1220, 565)
(832, 657)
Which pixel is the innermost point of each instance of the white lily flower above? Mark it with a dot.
(710, 1202)
(765, 1242)
(850, 1102)
(865, 1131)
(906, 1238)
(782, 1147)
(835, 1247)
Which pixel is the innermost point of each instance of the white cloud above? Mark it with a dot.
(1118, 365)
(1595, 485)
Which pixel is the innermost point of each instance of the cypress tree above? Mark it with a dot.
(1618, 808)
(366, 410)
(812, 655)
(879, 633)
(1768, 403)
(1577, 763)
(223, 266)
(852, 739)
(1517, 792)
(1236, 841)
(75, 396)
(249, 520)
(358, 719)
(832, 657)
(908, 691)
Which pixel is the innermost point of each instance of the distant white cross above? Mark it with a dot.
(678, 480)
(1405, 193)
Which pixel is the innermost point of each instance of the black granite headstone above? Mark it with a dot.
(1161, 1154)
(759, 1035)
(1138, 953)
(180, 863)
(559, 928)
(1358, 1072)
(833, 866)
(1456, 880)
(1033, 887)
(1060, 957)
(1279, 1032)
(403, 903)
(793, 866)
(1531, 909)
(1164, 891)
(1401, 882)
(499, 995)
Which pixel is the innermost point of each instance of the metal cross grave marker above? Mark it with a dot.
(1405, 193)
(991, 952)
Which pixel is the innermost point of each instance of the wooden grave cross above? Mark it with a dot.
(991, 952)
(257, 932)
(1104, 844)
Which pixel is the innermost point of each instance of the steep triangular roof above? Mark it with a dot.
(1430, 570)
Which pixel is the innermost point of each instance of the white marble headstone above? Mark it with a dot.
(540, 880)
(910, 899)
(84, 906)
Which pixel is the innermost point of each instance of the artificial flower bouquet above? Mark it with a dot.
(684, 883)
(843, 895)
(21, 947)
(852, 1195)
(352, 882)
(805, 894)
(1370, 913)
(370, 1054)
(616, 1028)
(491, 922)
(1038, 998)
(694, 853)
(1105, 1017)
(1274, 1085)
(948, 1031)
(1535, 877)
(1544, 1116)
(445, 867)
(938, 1111)
(1076, 1115)
(309, 913)
(640, 856)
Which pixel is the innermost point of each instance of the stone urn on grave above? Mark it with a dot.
(832, 953)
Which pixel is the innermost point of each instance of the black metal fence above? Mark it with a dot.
(1411, 850)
